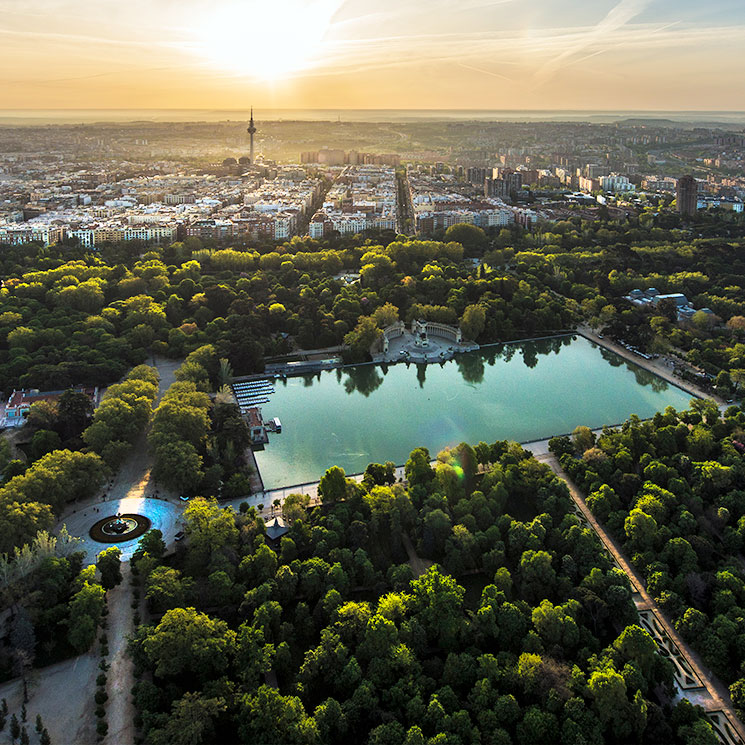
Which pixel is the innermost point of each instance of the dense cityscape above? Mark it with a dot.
(102, 183)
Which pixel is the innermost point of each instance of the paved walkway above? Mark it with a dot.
(715, 698)
(120, 710)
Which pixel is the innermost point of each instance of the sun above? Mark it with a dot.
(267, 39)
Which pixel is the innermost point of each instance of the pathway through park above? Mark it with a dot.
(120, 710)
(715, 696)
(132, 480)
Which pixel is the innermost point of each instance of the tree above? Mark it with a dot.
(472, 321)
(737, 325)
(210, 529)
(86, 607)
(253, 655)
(178, 465)
(74, 411)
(42, 415)
(164, 589)
(385, 315)
(437, 601)
(637, 646)
(333, 485)
(536, 726)
(737, 693)
(109, 565)
(417, 468)
(608, 690)
(436, 529)
(225, 373)
(56, 479)
(641, 529)
(365, 334)
(583, 438)
(538, 575)
(469, 236)
(186, 641)
(44, 441)
(554, 625)
(190, 722)
(152, 543)
(268, 716)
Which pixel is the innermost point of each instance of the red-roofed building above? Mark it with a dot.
(256, 426)
(16, 409)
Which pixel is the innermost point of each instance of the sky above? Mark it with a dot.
(661, 55)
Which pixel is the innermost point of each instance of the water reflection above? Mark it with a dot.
(471, 367)
(490, 355)
(421, 374)
(644, 377)
(508, 351)
(530, 355)
(365, 379)
(611, 357)
(470, 398)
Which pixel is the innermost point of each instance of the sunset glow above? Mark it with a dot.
(477, 54)
(267, 41)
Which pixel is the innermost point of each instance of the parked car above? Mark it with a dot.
(179, 536)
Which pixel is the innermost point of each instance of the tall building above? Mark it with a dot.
(687, 195)
(251, 133)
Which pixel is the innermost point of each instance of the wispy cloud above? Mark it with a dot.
(616, 19)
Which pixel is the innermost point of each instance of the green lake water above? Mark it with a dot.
(357, 415)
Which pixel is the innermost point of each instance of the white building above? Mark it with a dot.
(616, 183)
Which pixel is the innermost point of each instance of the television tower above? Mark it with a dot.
(251, 132)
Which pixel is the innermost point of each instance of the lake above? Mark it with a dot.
(371, 413)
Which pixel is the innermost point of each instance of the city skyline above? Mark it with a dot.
(483, 54)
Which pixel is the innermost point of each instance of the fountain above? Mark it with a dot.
(118, 528)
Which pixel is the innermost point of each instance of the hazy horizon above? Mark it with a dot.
(176, 114)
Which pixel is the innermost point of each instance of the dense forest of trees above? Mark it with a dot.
(69, 316)
(198, 444)
(520, 630)
(517, 628)
(55, 605)
(672, 490)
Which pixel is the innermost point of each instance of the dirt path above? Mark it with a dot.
(133, 478)
(718, 699)
(120, 710)
(419, 565)
(63, 695)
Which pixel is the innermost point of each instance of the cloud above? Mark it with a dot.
(616, 19)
